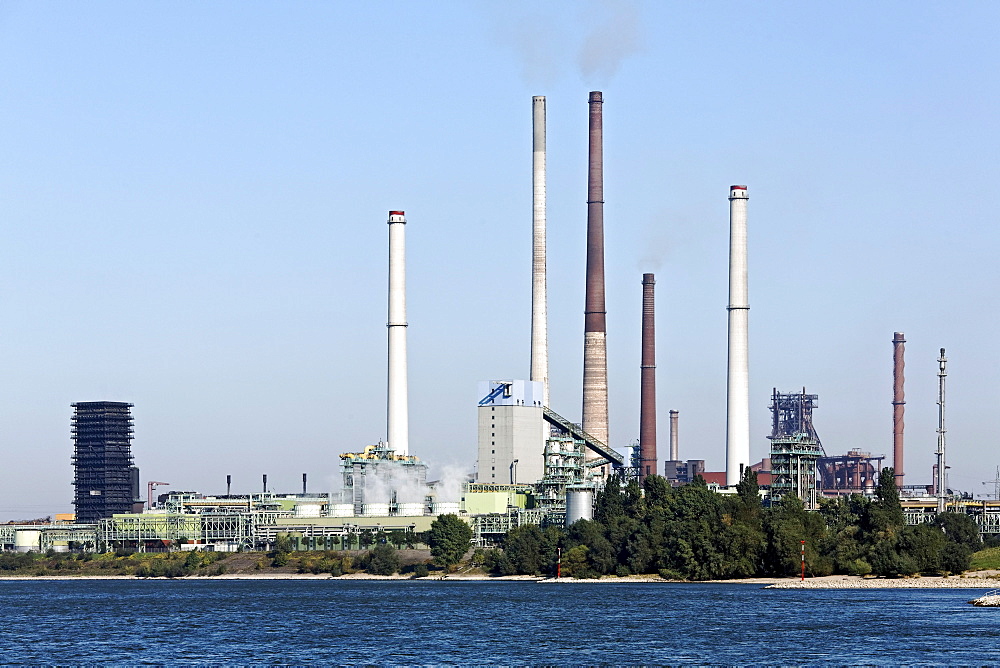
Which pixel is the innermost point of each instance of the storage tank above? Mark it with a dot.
(445, 508)
(307, 509)
(579, 504)
(375, 510)
(410, 509)
(27, 540)
(341, 510)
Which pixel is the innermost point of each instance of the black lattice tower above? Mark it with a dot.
(102, 459)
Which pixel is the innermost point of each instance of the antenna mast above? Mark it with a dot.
(941, 482)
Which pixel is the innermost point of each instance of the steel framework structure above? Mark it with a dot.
(102, 459)
(795, 446)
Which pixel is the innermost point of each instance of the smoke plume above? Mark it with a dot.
(614, 37)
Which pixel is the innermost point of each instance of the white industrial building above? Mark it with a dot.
(512, 432)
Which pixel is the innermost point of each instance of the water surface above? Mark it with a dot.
(433, 622)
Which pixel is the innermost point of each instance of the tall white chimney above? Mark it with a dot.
(738, 389)
(539, 309)
(398, 413)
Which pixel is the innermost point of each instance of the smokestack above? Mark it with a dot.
(397, 413)
(898, 406)
(738, 390)
(539, 306)
(647, 390)
(595, 357)
(303, 483)
(229, 484)
(674, 452)
(265, 483)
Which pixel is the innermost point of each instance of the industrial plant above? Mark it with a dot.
(533, 465)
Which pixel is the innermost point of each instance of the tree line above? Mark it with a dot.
(693, 533)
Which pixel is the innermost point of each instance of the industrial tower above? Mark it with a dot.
(105, 481)
(795, 446)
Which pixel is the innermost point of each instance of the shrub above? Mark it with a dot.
(383, 560)
(859, 567)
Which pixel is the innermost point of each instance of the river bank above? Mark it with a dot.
(979, 580)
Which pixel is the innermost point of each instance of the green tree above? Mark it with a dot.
(449, 538)
(886, 513)
(960, 529)
(609, 503)
(575, 563)
(383, 560)
(523, 548)
(599, 555)
(922, 547)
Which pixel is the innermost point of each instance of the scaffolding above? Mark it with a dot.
(489, 530)
(795, 446)
(102, 459)
(564, 465)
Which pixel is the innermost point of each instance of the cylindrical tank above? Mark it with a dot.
(307, 509)
(579, 504)
(27, 540)
(375, 510)
(410, 509)
(341, 510)
(445, 508)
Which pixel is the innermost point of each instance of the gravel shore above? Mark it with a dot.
(853, 582)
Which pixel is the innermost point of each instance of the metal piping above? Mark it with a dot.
(674, 453)
(738, 385)
(595, 356)
(647, 390)
(397, 419)
(539, 306)
(898, 406)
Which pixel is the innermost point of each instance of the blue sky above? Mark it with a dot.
(194, 198)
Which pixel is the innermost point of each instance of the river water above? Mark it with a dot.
(433, 622)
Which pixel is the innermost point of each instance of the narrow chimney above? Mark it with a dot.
(539, 304)
(265, 483)
(647, 390)
(674, 453)
(397, 412)
(898, 405)
(303, 484)
(738, 385)
(229, 484)
(595, 358)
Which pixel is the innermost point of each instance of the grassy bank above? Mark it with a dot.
(986, 560)
(209, 564)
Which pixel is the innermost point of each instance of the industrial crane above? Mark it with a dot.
(150, 486)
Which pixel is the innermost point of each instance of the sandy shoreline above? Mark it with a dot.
(984, 580)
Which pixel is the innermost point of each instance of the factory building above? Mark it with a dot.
(378, 482)
(105, 481)
(512, 432)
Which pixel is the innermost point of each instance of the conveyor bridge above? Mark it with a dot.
(616, 460)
